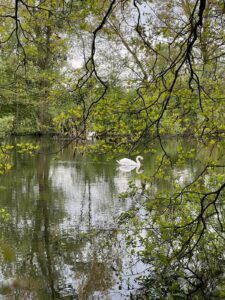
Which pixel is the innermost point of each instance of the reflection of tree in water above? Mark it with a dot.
(54, 260)
(92, 266)
(41, 247)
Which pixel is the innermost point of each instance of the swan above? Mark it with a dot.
(130, 162)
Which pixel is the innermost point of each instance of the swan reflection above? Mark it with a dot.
(124, 168)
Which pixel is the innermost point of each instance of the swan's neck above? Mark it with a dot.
(138, 161)
(138, 171)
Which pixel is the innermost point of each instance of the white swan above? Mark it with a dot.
(130, 162)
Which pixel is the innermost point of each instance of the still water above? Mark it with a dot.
(61, 240)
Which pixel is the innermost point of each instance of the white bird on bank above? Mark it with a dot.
(91, 135)
(130, 162)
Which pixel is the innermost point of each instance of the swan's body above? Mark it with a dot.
(130, 162)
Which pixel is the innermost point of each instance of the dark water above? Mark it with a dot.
(61, 240)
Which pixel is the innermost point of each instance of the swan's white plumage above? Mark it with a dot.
(130, 162)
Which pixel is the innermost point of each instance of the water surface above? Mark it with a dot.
(62, 240)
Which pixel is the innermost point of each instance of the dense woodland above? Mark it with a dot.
(135, 73)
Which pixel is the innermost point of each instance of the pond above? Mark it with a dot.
(61, 240)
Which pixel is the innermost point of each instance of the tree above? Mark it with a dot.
(168, 80)
(38, 35)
